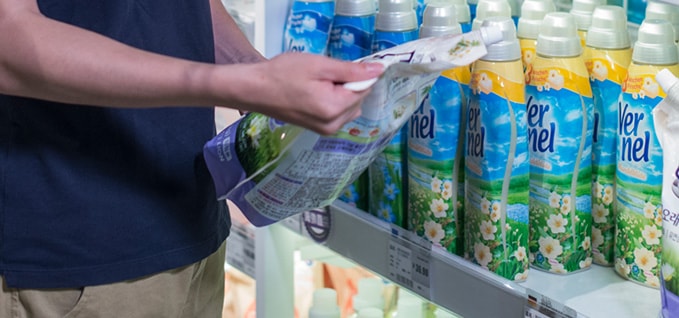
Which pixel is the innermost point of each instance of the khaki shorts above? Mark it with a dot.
(192, 291)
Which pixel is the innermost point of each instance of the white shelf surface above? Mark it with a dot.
(471, 291)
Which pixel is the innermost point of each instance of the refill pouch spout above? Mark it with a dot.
(272, 170)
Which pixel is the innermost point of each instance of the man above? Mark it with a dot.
(106, 206)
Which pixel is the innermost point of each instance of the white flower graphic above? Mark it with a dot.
(599, 213)
(433, 231)
(597, 237)
(600, 258)
(494, 215)
(438, 207)
(645, 259)
(608, 190)
(554, 200)
(550, 247)
(448, 185)
(436, 185)
(621, 267)
(488, 230)
(649, 210)
(495, 208)
(557, 268)
(653, 281)
(557, 223)
(565, 208)
(520, 253)
(485, 206)
(482, 254)
(651, 234)
(597, 188)
(586, 243)
(607, 199)
(667, 271)
(446, 194)
(587, 262)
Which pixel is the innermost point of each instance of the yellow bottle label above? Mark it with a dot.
(561, 73)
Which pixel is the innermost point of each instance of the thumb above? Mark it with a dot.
(343, 72)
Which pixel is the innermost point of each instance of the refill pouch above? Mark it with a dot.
(666, 119)
(272, 170)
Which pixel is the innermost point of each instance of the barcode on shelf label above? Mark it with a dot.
(409, 265)
(240, 249)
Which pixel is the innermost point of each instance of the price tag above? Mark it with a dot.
(534, 313)
(240, 249)
(540, 306)
(409, 265)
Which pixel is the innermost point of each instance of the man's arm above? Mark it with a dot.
(231, 45)
(47, 59)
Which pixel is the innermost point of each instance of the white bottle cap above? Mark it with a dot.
(490, 8)
(395, 16)
(508, 49)
(582, 11)
(355, 8)
(655, 43)
(609, 29)
(409, 308)
(324, 304)
(558, 36)
(462, 13)
(370, 313)
(664, 11)
(532, 13)
(514, 8)
(438, 19)
(666, 79)
(369, 294)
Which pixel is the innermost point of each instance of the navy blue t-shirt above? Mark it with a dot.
(94, 195)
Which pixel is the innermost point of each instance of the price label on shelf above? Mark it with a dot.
(540, 306)
(240, 247)
(409, 263)
(534, 313)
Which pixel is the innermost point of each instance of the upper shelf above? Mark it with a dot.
(464, 288)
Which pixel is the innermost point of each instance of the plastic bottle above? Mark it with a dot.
(532, 13)
(664, 11)
(351, 38)
(560, 125)
(324, 304)
(639, 156)
(582, 11)
(308, 26)
(433, 133)
(463, 14)
(608, 54)
(491, 8)
(496, 159)
(352, 30)
(666, 117)
(369, 296)
(395, 24)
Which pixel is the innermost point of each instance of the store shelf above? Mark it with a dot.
(462, 287)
